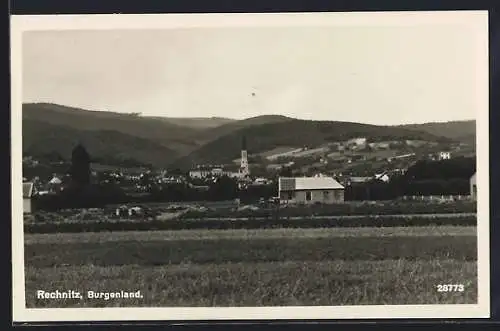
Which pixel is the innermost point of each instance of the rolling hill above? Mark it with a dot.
(199, 123)
(40, 138)
(172, 136)
(458, 130)
(207, 136)
(294, 133)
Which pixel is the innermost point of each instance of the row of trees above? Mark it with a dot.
(226, 189)
(448, 177)
(54, 158)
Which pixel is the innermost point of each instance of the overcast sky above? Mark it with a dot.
(379, 75)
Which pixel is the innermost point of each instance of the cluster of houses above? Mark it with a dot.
(316, 189)
(213, 173)
(355, 144)
(349, 153)
(291, 190)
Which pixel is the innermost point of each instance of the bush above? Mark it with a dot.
(363, 208)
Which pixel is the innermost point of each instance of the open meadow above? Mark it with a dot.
(256, 267)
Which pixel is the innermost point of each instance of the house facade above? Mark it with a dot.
(358, 142)
(444, 156)
(28, 190)
(55, 184)
(473, 187)
(310, 190)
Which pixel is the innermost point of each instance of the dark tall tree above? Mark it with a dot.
(80, 166)
(225, 188)
(285, 172)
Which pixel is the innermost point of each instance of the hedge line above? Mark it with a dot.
(392, 208)
(368, 221)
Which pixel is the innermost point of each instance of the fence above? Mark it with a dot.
(436, 197)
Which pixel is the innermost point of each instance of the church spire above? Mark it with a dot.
(244, 170)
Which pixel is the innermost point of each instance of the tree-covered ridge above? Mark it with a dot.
(45, 140)
(117, 138)
(299, 133)
(460, 130)
(169, 135)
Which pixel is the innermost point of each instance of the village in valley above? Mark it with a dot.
(288, 176)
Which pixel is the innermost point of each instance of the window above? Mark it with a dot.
(287, 195)
(308, 196)
(326, 195)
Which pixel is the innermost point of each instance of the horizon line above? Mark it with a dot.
(141, 115)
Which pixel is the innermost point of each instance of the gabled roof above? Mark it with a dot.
(27, 190)
(308, 183)
(55, 180)
(381, 175)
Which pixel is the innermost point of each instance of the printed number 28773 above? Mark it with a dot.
(450, 287)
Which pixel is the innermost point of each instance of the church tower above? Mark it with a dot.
(244, 170)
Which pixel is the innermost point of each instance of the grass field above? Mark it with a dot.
(334, 266)
(102, 237)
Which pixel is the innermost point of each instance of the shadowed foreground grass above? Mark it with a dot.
(260, 284)
(256, 267)
(206, 251)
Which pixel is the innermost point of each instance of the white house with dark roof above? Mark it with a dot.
(308, 190)
(444, 156)
(28, 191)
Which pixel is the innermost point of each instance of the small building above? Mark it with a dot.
(307, 190)
(380, 145)
(28, 191)
(55, 184)
(199, 173)
(444, 155)
(121, 211)
(260, 181)
(473, 187)
(384, 177)
(358, 142)
(135, 211)
(404, 156)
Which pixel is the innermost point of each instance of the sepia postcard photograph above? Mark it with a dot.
(250, 166)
